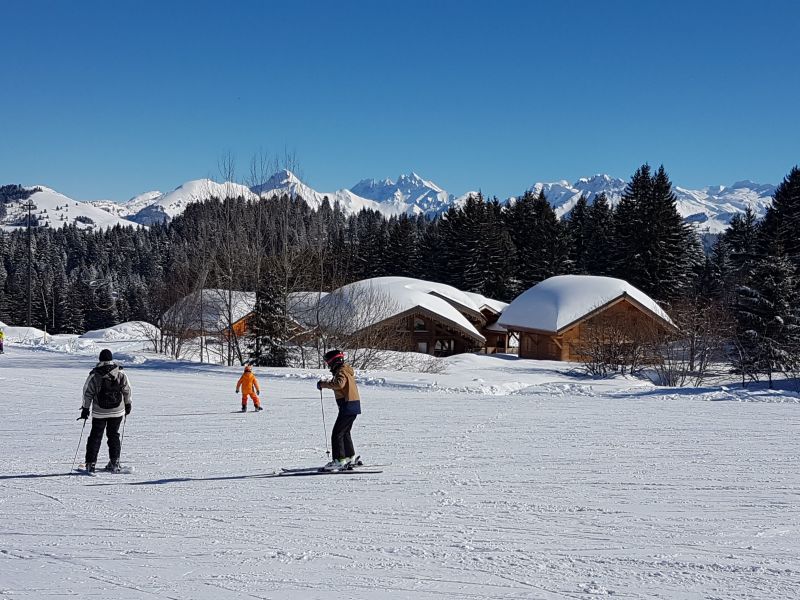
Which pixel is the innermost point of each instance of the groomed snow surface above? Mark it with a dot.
(505, 479)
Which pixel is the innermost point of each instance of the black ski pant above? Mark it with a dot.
(111, 427)
(341, 442)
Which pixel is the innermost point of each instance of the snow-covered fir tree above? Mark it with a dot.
(768, 319)
(269, 325)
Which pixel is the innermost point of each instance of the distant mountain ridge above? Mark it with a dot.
(410, 193)
(710, 208)
(52, 209)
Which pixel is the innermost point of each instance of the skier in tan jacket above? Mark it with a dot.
(345, 389)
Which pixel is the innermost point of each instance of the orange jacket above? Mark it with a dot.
(248, 383)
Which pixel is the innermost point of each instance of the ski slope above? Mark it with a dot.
(507, 479)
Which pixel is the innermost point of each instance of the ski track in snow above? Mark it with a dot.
(553, 491)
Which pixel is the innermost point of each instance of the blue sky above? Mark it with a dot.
(111, 99)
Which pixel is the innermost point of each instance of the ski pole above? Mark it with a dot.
(72, 468)
(122, 438)
(324, 427)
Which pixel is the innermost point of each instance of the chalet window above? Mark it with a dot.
(419, 324)
(422, 347)
(443, 347)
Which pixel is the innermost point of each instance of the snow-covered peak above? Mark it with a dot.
(53, 209)
(410, 194)
(139, 201)
(287, 183)
(167, 206)
(281, 179)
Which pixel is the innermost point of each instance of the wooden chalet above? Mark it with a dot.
(557, 317)
(426, 317)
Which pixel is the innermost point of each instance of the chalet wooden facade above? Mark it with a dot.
(624, 313)
(430, 334)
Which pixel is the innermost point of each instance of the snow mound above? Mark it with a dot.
(29, 336)
(131, 331)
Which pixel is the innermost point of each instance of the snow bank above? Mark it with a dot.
(131, 331)
(26, 335)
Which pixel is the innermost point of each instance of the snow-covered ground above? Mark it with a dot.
(504, 478)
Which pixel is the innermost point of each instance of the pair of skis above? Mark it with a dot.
(354, 468)
(123, 470)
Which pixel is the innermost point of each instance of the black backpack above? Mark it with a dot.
(110, 393)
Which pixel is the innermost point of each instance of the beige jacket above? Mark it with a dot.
(345, 389)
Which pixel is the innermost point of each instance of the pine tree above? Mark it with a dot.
(402, 249)
(599, 237)
(781, 225)
(719, 274)
(578, 232)
(655, 250)
(768, 319)
(540, 239)
(742, 241)
(269, 325)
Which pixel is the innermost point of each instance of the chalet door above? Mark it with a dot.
(422, 347)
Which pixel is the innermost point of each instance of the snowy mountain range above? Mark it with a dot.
(409, 194)
(710, 208)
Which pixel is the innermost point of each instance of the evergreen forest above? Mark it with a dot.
(83, 279)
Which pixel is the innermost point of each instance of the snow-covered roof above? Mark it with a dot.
(207, 309)
(303, 306)
(560, 301)
(483, 302)
(371, 301)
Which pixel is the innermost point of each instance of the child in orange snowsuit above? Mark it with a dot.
(250, 388)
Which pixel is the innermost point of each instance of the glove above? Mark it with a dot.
(128, 409)
(319, 385)
(84, 414)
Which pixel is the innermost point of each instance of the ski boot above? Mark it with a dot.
(337, 464)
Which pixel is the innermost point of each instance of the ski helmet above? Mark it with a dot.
(105, 356)
(333, 357)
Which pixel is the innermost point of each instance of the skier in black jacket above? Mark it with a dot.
(107, 393)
